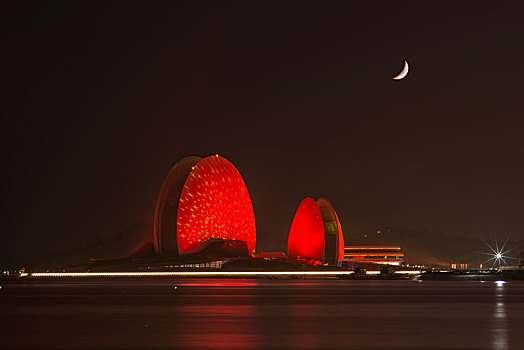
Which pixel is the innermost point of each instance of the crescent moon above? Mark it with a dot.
(404, 72)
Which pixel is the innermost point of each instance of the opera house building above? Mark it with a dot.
(204, 218)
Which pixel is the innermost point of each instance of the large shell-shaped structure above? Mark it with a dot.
(202, 200)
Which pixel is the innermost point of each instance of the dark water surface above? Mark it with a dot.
(261, 314)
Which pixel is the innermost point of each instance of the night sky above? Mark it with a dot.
(101, 99)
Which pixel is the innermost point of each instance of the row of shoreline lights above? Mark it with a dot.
(203, 273)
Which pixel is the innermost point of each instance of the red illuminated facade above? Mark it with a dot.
(306, 236)
(316, 232)
(201, 200)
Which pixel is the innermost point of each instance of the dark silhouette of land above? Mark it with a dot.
(420, 246)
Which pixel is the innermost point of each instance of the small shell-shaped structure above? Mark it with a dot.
(306, 237)
(316, 232)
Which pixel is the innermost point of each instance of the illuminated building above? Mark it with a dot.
(391, 255)
(316, 232)
(202, 200)
(461, 267)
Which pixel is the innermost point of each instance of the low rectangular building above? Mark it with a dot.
(387, 255)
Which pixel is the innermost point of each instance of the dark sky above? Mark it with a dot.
(101, 99)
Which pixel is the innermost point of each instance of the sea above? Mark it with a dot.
(170, 313)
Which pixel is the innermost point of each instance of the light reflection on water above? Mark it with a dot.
(219, 327)
(500, 322)
(263, 314)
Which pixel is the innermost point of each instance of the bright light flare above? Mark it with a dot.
(498, 255)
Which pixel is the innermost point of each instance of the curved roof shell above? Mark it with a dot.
(333, 232)
(202, 199)
(166, 208)
(306, 236)
(214, 203)
(316, 232)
